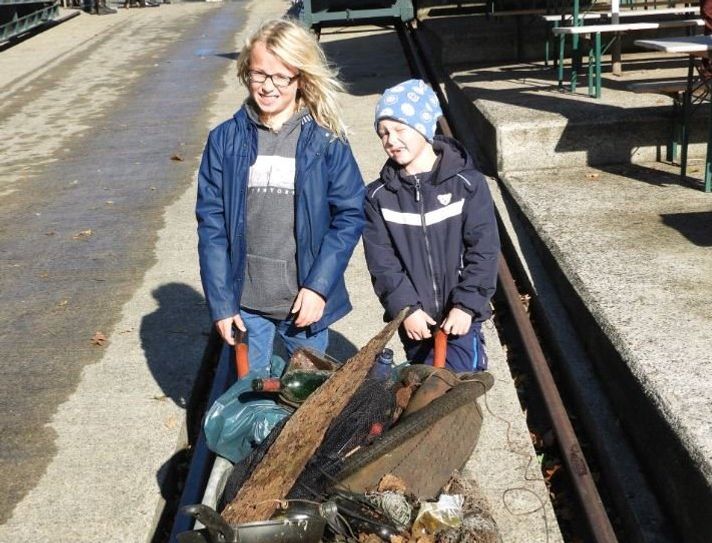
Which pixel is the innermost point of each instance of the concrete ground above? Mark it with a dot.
(627, 243)
(104, 420)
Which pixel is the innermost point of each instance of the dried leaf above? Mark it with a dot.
(398, 539)
(550, 471)
(368, 538)
(593, 175)
(84, 234)
(171, 422)
(98, 339)
(390, 482)
(177, 158)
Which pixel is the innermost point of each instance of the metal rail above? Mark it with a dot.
(589, 499)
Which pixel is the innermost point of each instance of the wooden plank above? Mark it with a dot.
(642, 13)
(670, 86)
(275, 475)
(683, 44)
(623, 27)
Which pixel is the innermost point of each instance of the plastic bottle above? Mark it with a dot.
(295, 385)
(383, 366)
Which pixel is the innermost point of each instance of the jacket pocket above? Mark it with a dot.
(269, 284)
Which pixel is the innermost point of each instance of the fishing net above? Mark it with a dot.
(365, 417)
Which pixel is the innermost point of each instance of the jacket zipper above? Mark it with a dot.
(421, 207)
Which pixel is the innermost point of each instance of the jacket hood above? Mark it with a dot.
(289, 125)
(453, 159)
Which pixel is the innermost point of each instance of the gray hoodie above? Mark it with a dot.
(271, 271)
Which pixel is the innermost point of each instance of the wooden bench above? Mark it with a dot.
(675, 89)
(594, 56)
(567, 19)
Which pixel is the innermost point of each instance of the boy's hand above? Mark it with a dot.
(457, 323)
(224, 327)
(309, 307)
(417, 325)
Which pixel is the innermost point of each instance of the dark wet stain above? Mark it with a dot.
(58, 285)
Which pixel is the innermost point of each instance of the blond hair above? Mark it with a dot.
(297, 47)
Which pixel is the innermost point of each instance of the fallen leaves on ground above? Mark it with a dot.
(550, 471)
(593, 175)
(84, 234)
(171, 422)
(98, 339)
(177, 158)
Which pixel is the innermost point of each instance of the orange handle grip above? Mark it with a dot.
(440, 349)
(242, 361)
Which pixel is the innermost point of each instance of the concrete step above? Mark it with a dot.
(524, 121)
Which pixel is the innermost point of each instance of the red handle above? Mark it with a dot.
(440, 349)
(242, 361)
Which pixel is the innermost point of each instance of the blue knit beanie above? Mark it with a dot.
(413, 103)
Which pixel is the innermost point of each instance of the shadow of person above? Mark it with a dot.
(173, 338)
(340, 348)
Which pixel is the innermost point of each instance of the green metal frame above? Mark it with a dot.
(595, 52)
(20, 25)
(400, 9)
(685, 133)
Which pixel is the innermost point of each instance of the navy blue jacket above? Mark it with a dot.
(431, 240)
(328, 214)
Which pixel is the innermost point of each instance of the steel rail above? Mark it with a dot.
(592, 507)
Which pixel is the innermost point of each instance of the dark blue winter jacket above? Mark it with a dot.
(431, 240)
(328, 214)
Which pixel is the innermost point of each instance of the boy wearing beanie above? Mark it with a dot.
(431, 237)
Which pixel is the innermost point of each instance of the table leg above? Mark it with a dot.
(575, 57)
(598, 65)
(684, 129)
(671, 147)
(591, 62)
(560, 67)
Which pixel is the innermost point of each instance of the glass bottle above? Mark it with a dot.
(383, 366)
(295, 385)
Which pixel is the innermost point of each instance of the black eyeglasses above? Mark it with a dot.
(278, 80)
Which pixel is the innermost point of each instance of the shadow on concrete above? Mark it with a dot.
(696, 227)
(340, 348)
(229, 56)
(360, 74)
(168, 338)
(170, 477)
(643, 174)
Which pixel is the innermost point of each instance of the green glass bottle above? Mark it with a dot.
(295, 386)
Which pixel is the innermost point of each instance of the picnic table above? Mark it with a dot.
(694, 47)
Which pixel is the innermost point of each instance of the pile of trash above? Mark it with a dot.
(386, 469)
